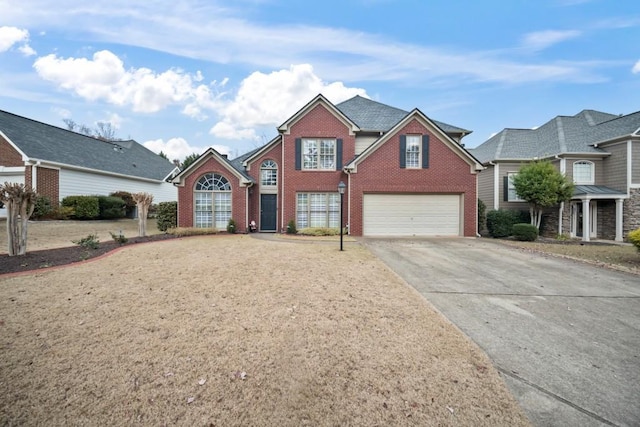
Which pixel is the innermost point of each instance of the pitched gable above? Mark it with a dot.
(318, 100)
(211, 153)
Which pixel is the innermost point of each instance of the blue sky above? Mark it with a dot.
(182, 76)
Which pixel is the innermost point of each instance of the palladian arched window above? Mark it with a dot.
(269, 173)
(212, 201)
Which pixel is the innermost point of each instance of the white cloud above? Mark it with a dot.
(179, 148)
(10, 36)
(636, 68)
(269, 99)
(543, 39)
(115, 119)
(62, 112)
(105, 78)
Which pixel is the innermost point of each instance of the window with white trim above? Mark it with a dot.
(269, 173)
(318, 210)
(212, 201)
(512, 196)
(583, 172)
(413, 151)
(319, 154)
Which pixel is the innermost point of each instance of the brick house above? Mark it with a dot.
(405, 175)
(59, 163)
(599, 151)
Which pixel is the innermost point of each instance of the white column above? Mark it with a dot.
(586, 221)
(619, 209)
(560, 213)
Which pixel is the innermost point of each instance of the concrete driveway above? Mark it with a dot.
(564, 335)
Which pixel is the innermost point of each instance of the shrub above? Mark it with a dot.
(482, 215)
(63, 213)
(167, 215)
(89, 242)
(319, 231)
(634, 238)
(129, 204)
(84, 207)
(191, 231)
(119, 238)
(500, 222)
(291, 227)
(42, 208)
(525, 232)
(231, 227)
(111, 207)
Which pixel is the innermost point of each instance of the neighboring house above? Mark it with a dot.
(600, 152)
(59, 163)
(405, 175)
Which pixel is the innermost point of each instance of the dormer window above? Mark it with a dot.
(583, 173)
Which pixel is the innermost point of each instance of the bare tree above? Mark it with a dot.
(105, 131)
(143, 201)
(71, 124)
(20, 202)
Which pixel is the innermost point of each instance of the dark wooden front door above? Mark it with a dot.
(268, 212)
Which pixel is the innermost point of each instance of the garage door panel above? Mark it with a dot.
(411, 215)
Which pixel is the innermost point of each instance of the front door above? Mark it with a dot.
(268, 212)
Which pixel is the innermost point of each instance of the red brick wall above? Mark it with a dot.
(8, 155)
(275, 154)
(185, 194)
(447, 173)
(317, 123)
(48, 184)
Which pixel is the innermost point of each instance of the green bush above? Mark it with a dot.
(482, 215)
(500, 222)
(167, 215)
(231, 227)
(84, 207)
(634, 238)
(42, 207)
(111, 207)
(525, 232)
(291, 227)
(129, 204)
(63, 213)
(89, 242)
(119, 238)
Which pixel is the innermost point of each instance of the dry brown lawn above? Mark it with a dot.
(233, 330)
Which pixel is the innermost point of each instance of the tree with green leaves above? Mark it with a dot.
(541, 185)
(188, 160)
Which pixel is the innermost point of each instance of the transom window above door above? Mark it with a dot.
(319, 154)
(583, 172)
(269, 173)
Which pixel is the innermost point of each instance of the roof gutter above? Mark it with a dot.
(39, 162)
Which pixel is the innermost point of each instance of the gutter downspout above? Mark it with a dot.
(348, 201)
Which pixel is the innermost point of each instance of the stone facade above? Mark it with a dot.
(631, 212)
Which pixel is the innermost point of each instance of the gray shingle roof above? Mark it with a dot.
(41, 141)
(374, 116)
(560, 135)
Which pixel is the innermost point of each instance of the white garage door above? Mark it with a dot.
(411, 215)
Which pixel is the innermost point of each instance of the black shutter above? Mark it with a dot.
(298, 154)
(505, 182)
(425, 151)
(339, 154)
(403, 151)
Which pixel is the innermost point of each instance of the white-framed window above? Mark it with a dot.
(413, 151)
(318, 210)
(319, 154)
(512, 196)
(212, 201)
(269, 173)
(583, 172)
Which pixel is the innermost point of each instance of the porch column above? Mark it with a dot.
(586, 221)
(619, 209)
(560, 213)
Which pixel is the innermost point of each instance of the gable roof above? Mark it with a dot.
(38, 141)
(233, 166)
(318, 100)
(560, 135)
(370, 115)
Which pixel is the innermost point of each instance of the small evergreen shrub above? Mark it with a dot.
(500, 222)
(231, 227)
(167, 215)
(482, 215)
(84, 207)
(89, 242)
(291, 227)
(63, 212)
(119, 238)
(525, 232)
(634, 238)
(129, 204)
(42, 208)
(111, 207)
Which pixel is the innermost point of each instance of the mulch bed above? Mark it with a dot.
(35, 260)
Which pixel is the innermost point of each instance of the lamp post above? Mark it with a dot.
(341, 188)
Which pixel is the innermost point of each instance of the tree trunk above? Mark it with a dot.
(143, 201)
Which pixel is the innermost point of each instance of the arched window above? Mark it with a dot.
(212, 197)
(269, 173)
(583, 172)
